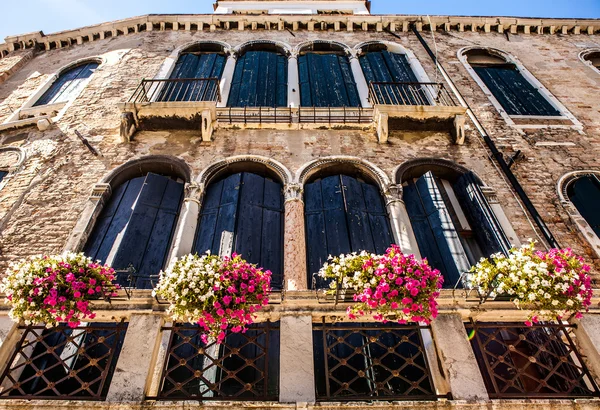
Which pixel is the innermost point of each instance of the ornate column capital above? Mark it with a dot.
(393, 193)
(231, 53)
(293, 54)
(193, 192)
(490, 195)
(293, 192)
(100, 192)
(354, 54)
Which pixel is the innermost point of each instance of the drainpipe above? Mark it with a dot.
(492, 147)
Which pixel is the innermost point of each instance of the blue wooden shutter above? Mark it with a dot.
(67, 85)
(326, 80)
(251, 207)
(487, 229)
(259, 80)
(188, 66)
(342, 215)
(3, 174)
(434, 230)
(585, 195)
(516, 95)
(148, 233)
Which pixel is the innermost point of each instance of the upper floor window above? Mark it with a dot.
(509, 86)
(249, 207)
(260, 78)
(592, 57)
(326, 78)
(136, 226)
(195, 75)
(68, 85)
(453, 223)
(343, 214)
(391, 76)
(584, 193)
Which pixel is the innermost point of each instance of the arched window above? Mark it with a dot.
(453, 223)
(260, 77)
(68, 85)
(584, 193)
(202, 65)
(507, 83)
(135, 227)
(250, 207)
(343, 214)
(326, 78)
(383, 68)
(592, 57)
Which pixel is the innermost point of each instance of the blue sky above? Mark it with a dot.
(56, 15)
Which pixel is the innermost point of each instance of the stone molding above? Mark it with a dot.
(285, 47)
(167, 164)
(583, 57)
(282, 172)
(21, 156)
(100, 192)
(370, 169)
(403, 168)
(293, 192)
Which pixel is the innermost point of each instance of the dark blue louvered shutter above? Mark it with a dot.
(514, 92)
(259, 80)
(488, 231)
(326, 80)
(585, 195)
(145, 242)
(3, 174)
(434, 229)
(190, 66)
(251, 208)
(67, 85)
(342, 215)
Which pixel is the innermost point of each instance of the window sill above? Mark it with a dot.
(49, 110)
(43, 123)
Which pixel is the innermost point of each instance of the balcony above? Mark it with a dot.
(182, 103)
(396, 104)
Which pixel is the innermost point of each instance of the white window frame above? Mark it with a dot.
(582, 224)
(59, 108)
(584, 60)
(509, 119)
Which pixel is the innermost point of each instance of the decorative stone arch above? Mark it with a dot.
(61, 107)
(311, 43)
(582, 225)
(11, 160)
(463, 55)
(413, 167)
(245, 163)
(101, 192)
(283, 47)
(397, 48)
(586, 55)
(340, 163)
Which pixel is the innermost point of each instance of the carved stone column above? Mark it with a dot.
(293, 81)
(361, 81)
(188, 221)
(401, 226)
(294, 262)
(227, 77)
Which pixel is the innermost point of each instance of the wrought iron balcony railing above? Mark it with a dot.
(371, 362)
(177, 90)
(392, 93)
(63, 363)
(244, 367)
(541, 361)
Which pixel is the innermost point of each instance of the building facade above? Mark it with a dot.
(304, 129)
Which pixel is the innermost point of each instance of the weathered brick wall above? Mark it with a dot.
(41, 204)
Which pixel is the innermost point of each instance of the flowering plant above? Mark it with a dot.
(552, 284)
(216, 293)
(392, 286)
(53, 289)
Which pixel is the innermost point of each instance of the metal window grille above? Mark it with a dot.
(541, 361)
(371, 362)
(255, 115)
(407, 93)
(63, 363)
(335, 115)
(177, 89)
(244, 367)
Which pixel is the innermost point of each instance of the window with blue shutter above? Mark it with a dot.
(201, 66)
(3, 174)
(251, 207)
(584, 193)
(385, 67)
(342, 215)
(136, 226)
(68, 85)
(326, 80)
(448, 244)
(508, 85)
(259, 80)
